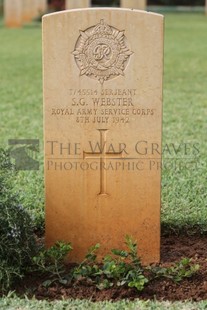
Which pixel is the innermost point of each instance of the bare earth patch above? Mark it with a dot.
(173, 248)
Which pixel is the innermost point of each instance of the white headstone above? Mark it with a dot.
(27, 10)
(75, 4)
(13, 13)
(103, 124)
(35, 7)
(134, 4)
(42, 6)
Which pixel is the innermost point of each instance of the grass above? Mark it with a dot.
(21, 105)
(184, 195)
(12, 302)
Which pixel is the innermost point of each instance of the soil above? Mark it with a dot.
(173, 248)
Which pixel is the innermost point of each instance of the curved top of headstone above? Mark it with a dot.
(104, 9)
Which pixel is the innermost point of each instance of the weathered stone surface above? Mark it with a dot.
(13, 13)
(103, 123)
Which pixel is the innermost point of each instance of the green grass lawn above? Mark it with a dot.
(13, 303)
(184, 194)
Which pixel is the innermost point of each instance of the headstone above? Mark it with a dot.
(134, 4)
(206, 7)
(42, 6)
(27, 10)
(103, 123)
(13, 13)
(75, 4)
(35, 9)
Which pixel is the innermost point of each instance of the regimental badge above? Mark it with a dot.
(101, 52)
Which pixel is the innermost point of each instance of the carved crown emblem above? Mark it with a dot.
(101, 52)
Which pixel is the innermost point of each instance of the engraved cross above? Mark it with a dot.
(103, 155)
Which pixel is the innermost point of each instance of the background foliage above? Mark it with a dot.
(17, 244)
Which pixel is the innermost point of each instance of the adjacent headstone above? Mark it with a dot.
(42, 6)
(75, 4)
(35, 8)
(134, 4)
(27, 10)
(206, 7)
(103, 123)
(13, 13)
